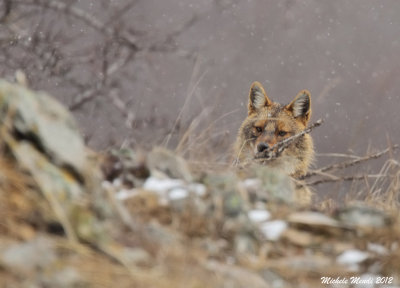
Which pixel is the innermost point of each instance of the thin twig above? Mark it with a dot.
(88, 19)
(338, 155)
(350, 163)
(282, 145)
(122, 212)
(90, 93)
(236, 161)
(346, 178)
(190, 93)
(168, 42)
(85, 96)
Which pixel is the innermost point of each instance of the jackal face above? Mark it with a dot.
(269, 123)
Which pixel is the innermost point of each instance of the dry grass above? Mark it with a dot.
(171, 265)
(201, 141)
(370, 178)
(207, 148)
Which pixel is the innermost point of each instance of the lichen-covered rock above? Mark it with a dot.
(273, 185)
(361, 215)
(40, 120)
(41, 136)
(169, 163)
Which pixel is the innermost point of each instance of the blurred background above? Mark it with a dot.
(177, 73)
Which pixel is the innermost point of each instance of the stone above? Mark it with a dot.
(169, 163)
(30, 256)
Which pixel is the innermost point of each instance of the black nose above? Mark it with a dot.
(262, 146)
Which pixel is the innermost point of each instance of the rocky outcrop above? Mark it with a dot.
(70, 217)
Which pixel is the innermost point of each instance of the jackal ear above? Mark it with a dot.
(257, 98)
(300, 107)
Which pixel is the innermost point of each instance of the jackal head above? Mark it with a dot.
(269, 123)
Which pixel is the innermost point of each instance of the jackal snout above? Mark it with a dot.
(263, 148)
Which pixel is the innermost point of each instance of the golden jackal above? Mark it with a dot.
(269, 123)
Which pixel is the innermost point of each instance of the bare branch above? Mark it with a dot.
(168, 43)
(6, 10)
(88, 19)
(345, 178)
(87, 95)
(346, 164)
(339, 155)
(282, 145)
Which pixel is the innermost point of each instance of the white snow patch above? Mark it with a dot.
(352, 256)
(198, 189)
(117, 182)
(124, 194)
(178, 194)
(106, 184)
(161, 186)
(377, 248)
(259, 215)
(272, 230)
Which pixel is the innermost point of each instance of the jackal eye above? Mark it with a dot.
(282, 133)
(258, 129)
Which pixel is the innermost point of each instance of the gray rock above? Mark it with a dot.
(45, 123)
(136, 256)
(235, 276)
(274, 280)
(245, 244)
(43, 138)
(225, 187)
(363, 216)
(233, 204)
(65, 278)
(29, 257)
(277, 185)
(169, 163)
